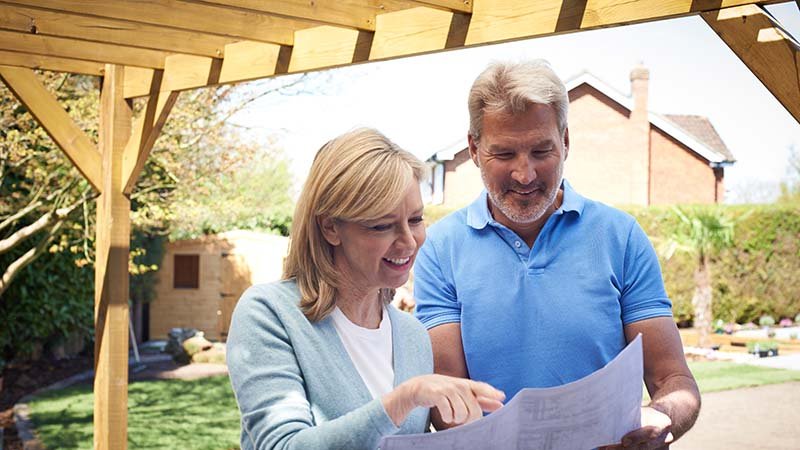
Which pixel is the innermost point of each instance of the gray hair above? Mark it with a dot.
(510, 87)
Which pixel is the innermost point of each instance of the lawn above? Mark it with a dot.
(202, 414)
(721, 376)
(170, 414)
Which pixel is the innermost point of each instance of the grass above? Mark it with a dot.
(171, 414)
(715, 376)
(202, 414)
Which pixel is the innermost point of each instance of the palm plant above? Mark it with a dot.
(701, 232)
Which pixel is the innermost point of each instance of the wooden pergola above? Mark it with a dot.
(154, 49)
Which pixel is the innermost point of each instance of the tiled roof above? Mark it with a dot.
(702, 130)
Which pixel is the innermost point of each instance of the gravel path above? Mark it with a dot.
(760, 418)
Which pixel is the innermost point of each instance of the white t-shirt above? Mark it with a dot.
(370, 351)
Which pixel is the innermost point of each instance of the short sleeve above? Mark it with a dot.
(434, 293)
(643, 294)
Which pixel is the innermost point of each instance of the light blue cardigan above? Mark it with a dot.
(295, 383)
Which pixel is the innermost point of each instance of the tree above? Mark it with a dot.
(40, 189)
(702, 233)
(47, 210)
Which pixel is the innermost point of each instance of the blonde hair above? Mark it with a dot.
(511, 87)
(358, 176)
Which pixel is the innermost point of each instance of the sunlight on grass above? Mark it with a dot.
(202, 414)
(171, 414)
(714, 376)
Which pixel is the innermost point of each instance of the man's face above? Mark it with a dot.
(521, 159)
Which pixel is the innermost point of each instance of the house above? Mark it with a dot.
(620, 152)
(200, 280)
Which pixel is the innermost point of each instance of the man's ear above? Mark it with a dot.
(330, 230)
(472, 145)
(566, 142)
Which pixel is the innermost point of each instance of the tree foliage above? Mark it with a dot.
(703, 233)
(200, 178)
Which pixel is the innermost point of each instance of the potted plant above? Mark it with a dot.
(763, 349)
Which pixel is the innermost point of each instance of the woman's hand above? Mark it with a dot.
(458, 400)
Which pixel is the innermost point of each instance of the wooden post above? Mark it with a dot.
(111, 271)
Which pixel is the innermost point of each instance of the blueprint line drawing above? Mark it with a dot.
(594, 411)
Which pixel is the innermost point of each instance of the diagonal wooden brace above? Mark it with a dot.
(56, 122)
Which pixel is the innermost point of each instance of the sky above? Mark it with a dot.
(420, 102)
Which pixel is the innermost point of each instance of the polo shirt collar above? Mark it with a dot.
(478, 215)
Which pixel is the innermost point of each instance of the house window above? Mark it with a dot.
(186, 272)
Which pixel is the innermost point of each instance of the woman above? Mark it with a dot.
(320, 360)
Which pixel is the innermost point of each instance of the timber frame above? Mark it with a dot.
(154, 49)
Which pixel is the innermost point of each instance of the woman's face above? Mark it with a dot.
(379, 253)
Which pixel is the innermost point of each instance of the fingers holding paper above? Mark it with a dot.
(655, 432)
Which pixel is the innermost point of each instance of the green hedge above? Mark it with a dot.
(759, 275)
(51, 300)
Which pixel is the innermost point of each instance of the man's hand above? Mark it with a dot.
(654, 434)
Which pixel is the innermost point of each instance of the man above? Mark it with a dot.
(533, 285)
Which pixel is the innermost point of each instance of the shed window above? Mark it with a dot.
(187, 272)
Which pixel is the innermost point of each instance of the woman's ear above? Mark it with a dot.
(330, 230)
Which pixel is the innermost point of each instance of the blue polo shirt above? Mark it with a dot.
(541, 316)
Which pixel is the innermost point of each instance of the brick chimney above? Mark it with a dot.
(640, 137)
(640, 78)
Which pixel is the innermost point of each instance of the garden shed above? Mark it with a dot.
(152, 50)
(200, 280)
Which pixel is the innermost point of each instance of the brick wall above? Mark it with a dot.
(678, 175)
(601, 158)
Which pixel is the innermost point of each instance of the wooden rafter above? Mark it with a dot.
(767, 50)
(50, 63)
(183, 15)
(55, 121)
(502, 20)
(423, 29)
(359, 14)
(83, 50)
(403, 28)
(45, 22)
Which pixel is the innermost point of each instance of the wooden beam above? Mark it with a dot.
(358, 14)
(328, 46)
(110, 31)
(187, 72)
(421, 29)
(146, 130)
(111, 272)
(84, 50)
(49, 63)
(765, 48)
(137, 82)
(244, 61)
(501, 20)
(198, 17)
(464, 6)
(55, 121)
(252, 60)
